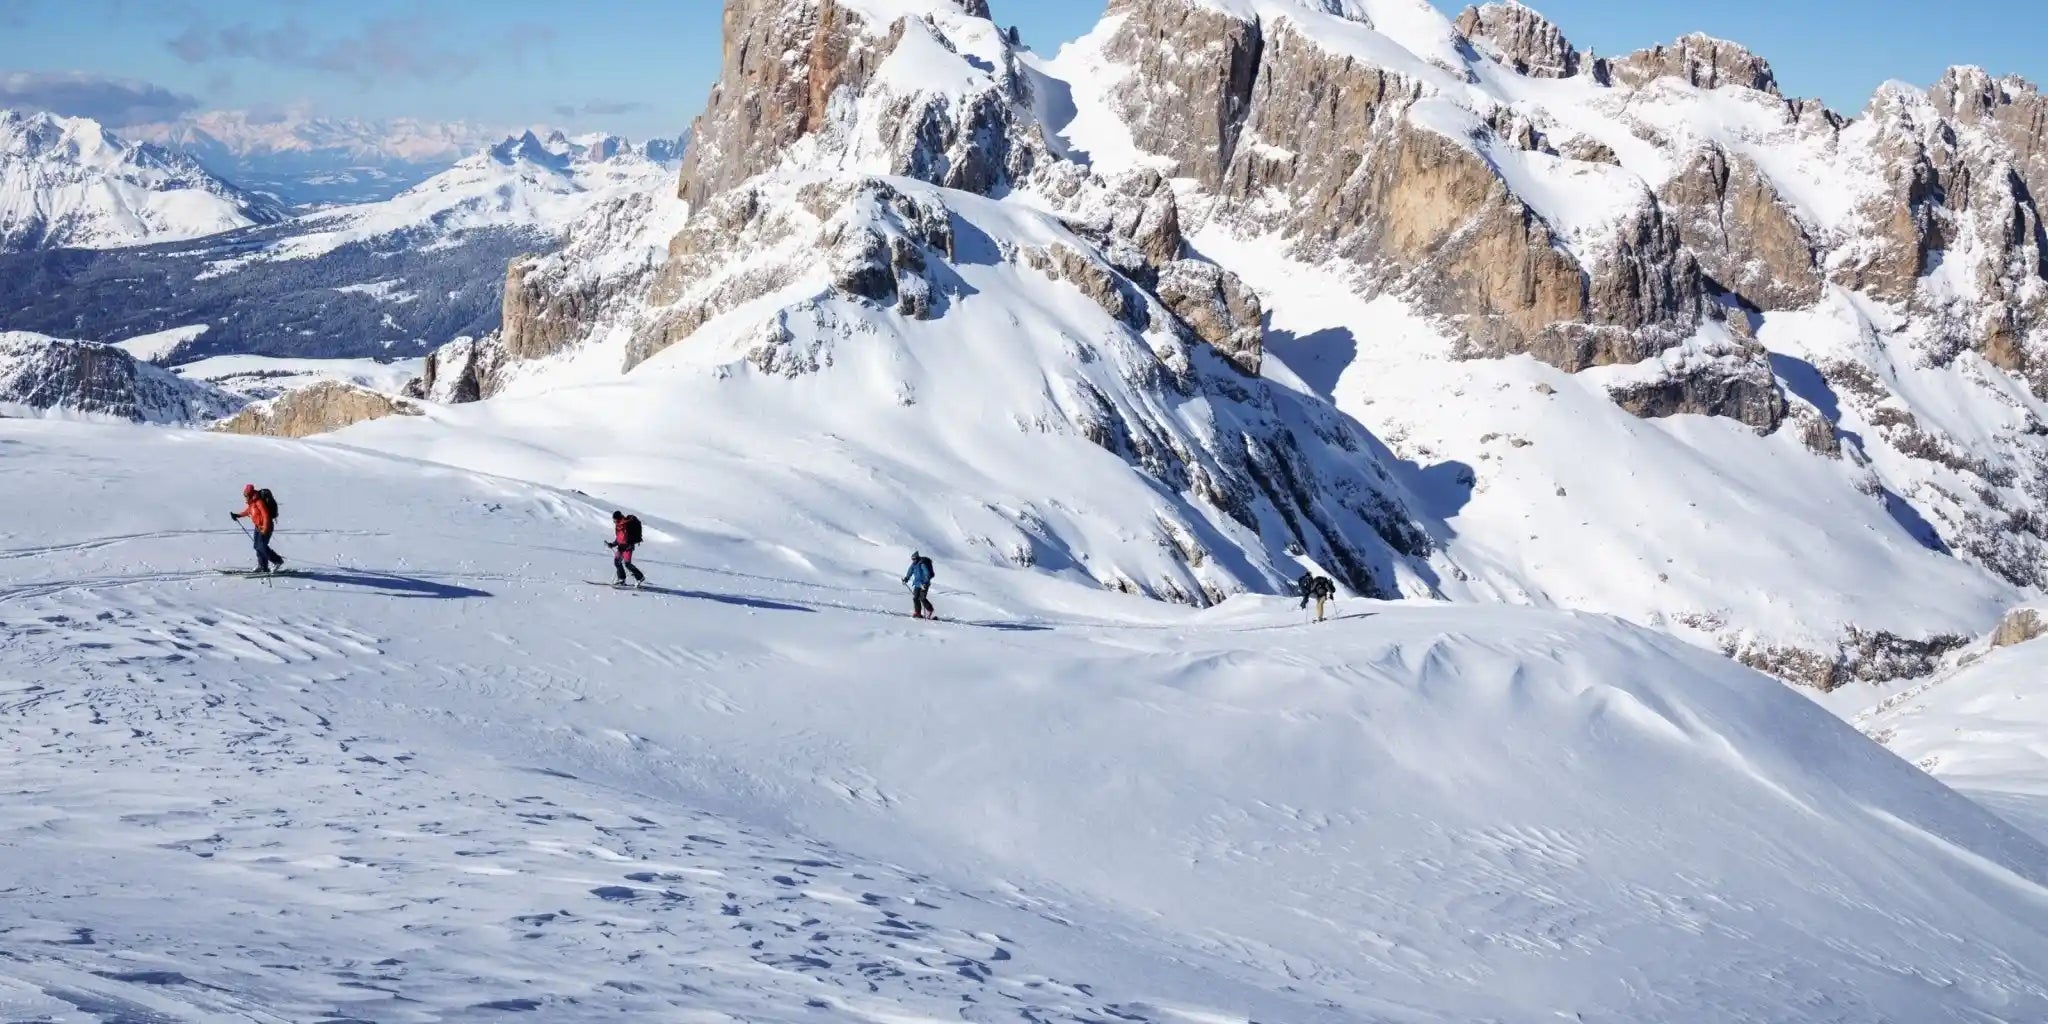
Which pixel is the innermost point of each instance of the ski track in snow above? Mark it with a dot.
(437, 777)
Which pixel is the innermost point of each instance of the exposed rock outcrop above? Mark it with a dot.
(2019, 626)
(464, 370)
(1736, 384)
(1207, 58)
(1319, 146)
(2011, 108)
(1134, 221)
(1217, 307)
(1861, 657)
(1700, 60)
(316, 409)
(1745, 236)
(783, 62)
(1523, 39)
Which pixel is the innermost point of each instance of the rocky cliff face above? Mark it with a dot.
(1954, 227)
(1328, 148)
(1747, 239)
(464, 370)
(316, 409)
(50, 376)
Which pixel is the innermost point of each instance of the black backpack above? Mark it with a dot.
(269, 502)
(1324, 588)
(632, 530)
(931, 572)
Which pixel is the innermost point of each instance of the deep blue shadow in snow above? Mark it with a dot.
(760, 603)
(1807, 382)
(1007, 627)
(1319, 358)
(392, 585)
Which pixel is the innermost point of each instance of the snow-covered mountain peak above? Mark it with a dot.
(554, 154)
(69, 182)
(1520, 38)
(39, 134)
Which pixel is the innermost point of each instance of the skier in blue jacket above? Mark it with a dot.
(919, 579)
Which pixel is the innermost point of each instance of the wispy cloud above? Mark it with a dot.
(383, 50)
(104, 98)
(600, 108)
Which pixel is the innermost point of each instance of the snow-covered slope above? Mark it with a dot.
(437, 777)
(53, 377)
(68, 182)
(1981, 725)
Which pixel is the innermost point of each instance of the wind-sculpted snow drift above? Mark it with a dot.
(1234, 244)
(433, 777)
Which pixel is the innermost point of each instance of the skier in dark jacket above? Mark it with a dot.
(262, 522)
(1318, 589)
(919, 579)
(625, 537)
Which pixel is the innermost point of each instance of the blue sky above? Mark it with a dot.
(643, 66)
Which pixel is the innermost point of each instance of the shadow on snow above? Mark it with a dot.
(391, 584)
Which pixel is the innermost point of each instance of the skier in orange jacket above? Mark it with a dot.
(261, 511)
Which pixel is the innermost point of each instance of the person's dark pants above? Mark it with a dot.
(920, 604)
(265, 557)
(622, 563)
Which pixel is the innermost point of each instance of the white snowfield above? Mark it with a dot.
(1982, 728)
(262, 377)
(438, 777)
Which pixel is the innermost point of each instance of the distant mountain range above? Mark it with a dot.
(391, 278)
(307, 161)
